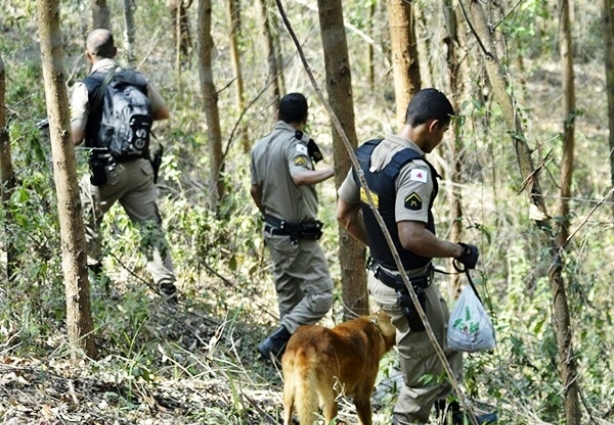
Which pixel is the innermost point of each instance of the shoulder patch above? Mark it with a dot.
(300, 161)
(301, 149)
(418, 175)
(365, 199)
(413, 202)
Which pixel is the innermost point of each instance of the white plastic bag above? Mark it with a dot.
(469, 327)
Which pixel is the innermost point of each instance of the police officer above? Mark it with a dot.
(131, 183)
(282, 186)
(404, 186)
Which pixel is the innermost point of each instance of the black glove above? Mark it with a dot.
(470, 255)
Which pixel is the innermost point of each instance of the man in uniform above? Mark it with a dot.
(130, 182)
(282, 186)
(403, 186)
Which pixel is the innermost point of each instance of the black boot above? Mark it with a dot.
(99, 277)
(275, 344)
(450, 413)
(168, 291)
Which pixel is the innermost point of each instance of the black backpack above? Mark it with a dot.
(125, 113)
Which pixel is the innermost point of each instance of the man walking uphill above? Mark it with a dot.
(282, 186)
(404, 187)
(121, 170)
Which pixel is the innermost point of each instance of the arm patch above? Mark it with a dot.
(413, 202)
(300, 161)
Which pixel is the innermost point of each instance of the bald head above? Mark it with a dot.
(100, 44)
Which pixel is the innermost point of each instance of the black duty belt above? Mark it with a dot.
(296, 231)
(275, 231)
(396, 281)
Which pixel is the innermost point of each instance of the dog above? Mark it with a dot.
(321, 363)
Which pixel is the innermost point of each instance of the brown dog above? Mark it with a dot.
(320, 363)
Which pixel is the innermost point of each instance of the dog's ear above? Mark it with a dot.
(383, 322)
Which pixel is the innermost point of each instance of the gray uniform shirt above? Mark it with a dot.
(273, 160)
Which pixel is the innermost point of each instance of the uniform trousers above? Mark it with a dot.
(417, 355)
(131, 184)
(302, 280)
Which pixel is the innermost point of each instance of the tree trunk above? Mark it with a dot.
(456, 149)
(424, 48)
(268, 40)
(235, 54)
(129, 35)
(569, 113)
(210, 98)
(101, 17)
(7, 177)
(74, 259)
(339, 87)
(607, 15)
(181, 34)
(404, 55)
(370, 49)
(564, 331)
(538, 213)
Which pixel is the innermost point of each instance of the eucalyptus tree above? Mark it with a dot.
(129, 33)
(101, 16)
(561, 311)
(607, 17)
(405, 63)
(538, 210)
(210, 103)
(181, 33)
(233, 14)
(339, 88)
(274, 74)
(7, 175)
(74, 260)
(456, 148)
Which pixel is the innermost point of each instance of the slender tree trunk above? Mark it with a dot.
(233, 15)
(538, 212)
(74, 260)
(456, 149)
(275, 27)
(129, 35)
(569, 112)
(424, 48)
(404, 54)
(370, 49)
(607, 15)
(181, 33)
(7, 177)
(339, 87)
(561, 312)
(101, 17)
(268, 41)
(210, 99)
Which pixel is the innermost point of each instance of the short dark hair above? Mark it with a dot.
(293, 108)
(100, 43)
(428, 104)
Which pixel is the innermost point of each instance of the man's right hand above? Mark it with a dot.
(469, 255)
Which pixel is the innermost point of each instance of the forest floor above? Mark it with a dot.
(181, 366)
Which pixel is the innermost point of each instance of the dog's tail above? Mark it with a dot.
(305, 396)
(290, 382)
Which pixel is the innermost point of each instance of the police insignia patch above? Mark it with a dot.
(300, 161)
(413, 202)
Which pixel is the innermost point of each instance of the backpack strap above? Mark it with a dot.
(100, 93)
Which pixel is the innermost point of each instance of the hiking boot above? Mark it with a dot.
(453, 415)
(168, 291)
(275, 344)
